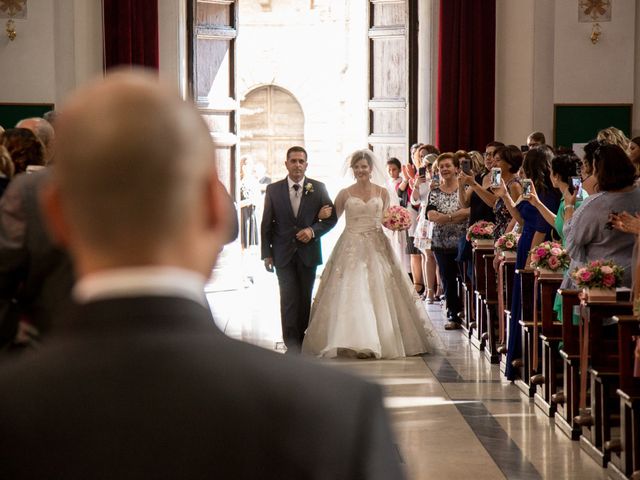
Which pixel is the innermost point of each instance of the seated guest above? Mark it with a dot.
(25, 148)
(634, 152)
(613, 136)
(6, 169)
(536, 138)
(35, 274)
(43, 130)
(140, 382)
(450, 222)
(589, 234)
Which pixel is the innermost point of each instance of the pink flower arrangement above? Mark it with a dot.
(598, 274)
(480, 230)
(549, 255)
(507, 242)
(396, 218)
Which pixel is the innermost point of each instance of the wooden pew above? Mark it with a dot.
(599, 410)
(475, 334)
(527, 280)
(567, 400)
(489, 327)
(548, 330)
(625, 451)
(508, 267)
(466, 289)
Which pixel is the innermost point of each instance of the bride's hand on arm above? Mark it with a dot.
(325, 212)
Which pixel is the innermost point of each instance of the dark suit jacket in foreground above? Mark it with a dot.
(279, 225)
(150, 388)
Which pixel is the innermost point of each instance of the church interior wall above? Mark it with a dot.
(543, 56)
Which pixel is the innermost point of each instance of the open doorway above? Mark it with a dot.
(334, 76)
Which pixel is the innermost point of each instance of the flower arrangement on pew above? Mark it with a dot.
(507, 244)
(481, 233)
(549, 257)
(599, 278)
(396, 218)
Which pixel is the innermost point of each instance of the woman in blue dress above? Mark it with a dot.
(535, 230)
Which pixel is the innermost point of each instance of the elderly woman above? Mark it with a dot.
(24, 147)
(589, 234)
(450, 222)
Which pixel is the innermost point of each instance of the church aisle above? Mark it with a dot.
(455, 415)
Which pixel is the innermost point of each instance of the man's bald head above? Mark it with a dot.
(134, 163)
(41, 128)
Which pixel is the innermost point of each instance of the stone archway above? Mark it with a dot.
(271, 121)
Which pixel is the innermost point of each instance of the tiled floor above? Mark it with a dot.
(454, 416)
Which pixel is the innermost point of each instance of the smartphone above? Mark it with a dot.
(576, 186)
(496, 177)
(524, 148)
(422, 171)
(465, 164)
(526, 188)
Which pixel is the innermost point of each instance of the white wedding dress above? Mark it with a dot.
(365, 305)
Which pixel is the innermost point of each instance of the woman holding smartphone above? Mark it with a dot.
(449, 223)
(509, 160)
(535, 230)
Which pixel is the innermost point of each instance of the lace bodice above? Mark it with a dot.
(361, 216)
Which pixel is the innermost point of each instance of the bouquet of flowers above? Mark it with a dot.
(598, 274)
(481, 230)
(396, 218)
(549, 255)
(507, 242)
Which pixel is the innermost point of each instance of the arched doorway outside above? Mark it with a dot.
(271, 121)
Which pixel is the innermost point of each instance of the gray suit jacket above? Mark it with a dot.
(148, 387)
(35, 275)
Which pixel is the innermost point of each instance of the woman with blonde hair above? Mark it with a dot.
(613, 136)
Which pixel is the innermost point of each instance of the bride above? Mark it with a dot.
(365, 305)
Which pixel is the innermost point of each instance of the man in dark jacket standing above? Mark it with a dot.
(291, 231)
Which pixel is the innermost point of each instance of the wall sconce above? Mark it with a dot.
(594, 11)
(595, 33)
(12, 9)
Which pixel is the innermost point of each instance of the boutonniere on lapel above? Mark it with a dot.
(308, 188)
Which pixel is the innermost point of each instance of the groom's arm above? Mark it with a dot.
(320, 227)
(266, 227)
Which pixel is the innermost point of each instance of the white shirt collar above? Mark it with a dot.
(292, 183)
(140, 281)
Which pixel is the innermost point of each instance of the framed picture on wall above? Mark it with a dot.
(579, 123)
(12, 113)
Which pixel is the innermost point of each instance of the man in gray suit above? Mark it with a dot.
(141, 384)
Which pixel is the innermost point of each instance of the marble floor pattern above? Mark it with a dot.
(453, 414)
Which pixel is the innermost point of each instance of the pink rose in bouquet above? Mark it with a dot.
(507, 242)
(598, 274)
(554, 263)
(396, 218)
(480, 230)
(549, 255)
